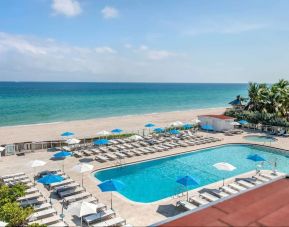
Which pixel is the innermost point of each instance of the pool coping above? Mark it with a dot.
(172, 155)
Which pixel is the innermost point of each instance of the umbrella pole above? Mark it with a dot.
(187, 194)
(111, 200)
(81, 221)
(63, 165)
(223, 181)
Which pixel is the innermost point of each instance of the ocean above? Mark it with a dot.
(24, 103)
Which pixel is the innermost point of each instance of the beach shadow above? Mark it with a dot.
(86, 160)
(168, 210)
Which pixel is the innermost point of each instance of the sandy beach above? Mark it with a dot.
(89, 128)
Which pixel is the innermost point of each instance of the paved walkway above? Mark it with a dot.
(265, 206)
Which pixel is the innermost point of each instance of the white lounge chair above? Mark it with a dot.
(198, 200)
(102, 215)
(117, 221)
(186, 205)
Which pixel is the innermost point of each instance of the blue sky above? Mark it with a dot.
(144, 40)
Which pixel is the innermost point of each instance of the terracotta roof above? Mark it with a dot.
(265, 206)
(222, 117)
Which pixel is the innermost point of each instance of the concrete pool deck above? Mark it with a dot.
(135, 214)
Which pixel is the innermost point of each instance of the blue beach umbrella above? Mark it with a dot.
(111, 186)
(243, 122)
(67, 134)
(62, 154)
(149, 125)
(207, 127)
(187, 181)
(116, 130)
(255, 158)
(174, 132)
(187, 126)
(159, 130)
(50, 179)
(101, 142)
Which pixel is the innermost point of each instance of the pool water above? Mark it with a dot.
(260, 138)
(156, 179)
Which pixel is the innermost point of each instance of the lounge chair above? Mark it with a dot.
(262, 179)
(216, 192)
(66, 187)
(90, 199)
(77, 197)
(237, 187)
(268, 176)
(101, 158)
(245, 184)
(186, 205)
(33, 202)
(250, 180)
(95, 151)
(46, 221)
(137, 152)
(111, 156)
(42, 214)
(29, 196)
(117, 221)
(12, 175)
(209, 197)
(70, 192)
(120, 155)
(41, 207)
(199, 201)
(99, 216)
(62, 183)
(229, 190)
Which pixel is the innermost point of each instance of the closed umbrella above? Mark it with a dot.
(187, 181)
(81, 209)
(110, 186)
(82, 168)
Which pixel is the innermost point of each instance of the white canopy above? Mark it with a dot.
(224, 166)
(176, 124)
(72, 141)
(82, 168)
(136, 137)
(36, 163)
(103, 133)
(2, 149)
(235, 123)
(83, 208)
(196, 121)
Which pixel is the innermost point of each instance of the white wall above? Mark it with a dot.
(218, 124)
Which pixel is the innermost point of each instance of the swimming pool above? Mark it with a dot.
(156, 179)
(255, 138)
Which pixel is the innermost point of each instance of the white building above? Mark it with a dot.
(218, 122)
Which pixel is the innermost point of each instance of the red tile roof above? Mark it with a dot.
(265, 206)
(222, 117)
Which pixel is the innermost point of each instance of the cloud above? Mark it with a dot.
(30, 58)
(105, 49)
(152, 54)
(67, 8)
(159, 54)
(109, 12)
